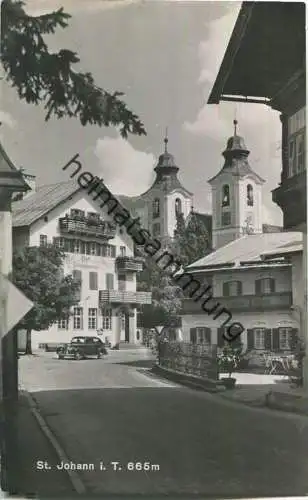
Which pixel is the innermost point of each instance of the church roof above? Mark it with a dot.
(248, 249)
(236, 159)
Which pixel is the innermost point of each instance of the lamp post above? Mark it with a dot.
(11, 181)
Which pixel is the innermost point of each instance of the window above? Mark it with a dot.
(265, 286)
(156, 208)
(285, 338)
(107, 319)
(63, 324)
(110, 251)
(156, 230)
(226, 218)
(250, 195)
(122, 251)
(259, 338)
(92, 248)
(122, 282)
(297, 142)
(232, 288)
(78, 318)
(92, 318)
(225, 196)
(93, 280)
(77, 275)
(77, 213)
(203, 335)
(58, 242)
(178, 206)
(43, 240)
(109, 281)
(77, 246)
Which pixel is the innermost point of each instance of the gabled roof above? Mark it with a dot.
(247, 249)
(25, 212)
(10, 176)
(266, 48)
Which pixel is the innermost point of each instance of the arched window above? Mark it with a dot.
(178, 206)
(156, 208)
(225, 196)
(249, 195)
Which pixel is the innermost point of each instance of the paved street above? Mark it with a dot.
(109, 410)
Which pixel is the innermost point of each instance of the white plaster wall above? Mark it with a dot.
(186, 202)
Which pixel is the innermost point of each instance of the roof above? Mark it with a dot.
(249, 248)
(266, 48)
(285, 250)
(42, 201)
(10, 176)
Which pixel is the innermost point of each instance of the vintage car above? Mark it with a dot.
(82, 347)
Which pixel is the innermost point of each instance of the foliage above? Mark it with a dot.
(166, 296)
(38, 272)
(42, 76)
(229, 359)
(192, 240)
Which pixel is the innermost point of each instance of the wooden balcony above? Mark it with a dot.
(132, 264)
(119, 297)
(290, 196)
(242, 303)
(97, 229)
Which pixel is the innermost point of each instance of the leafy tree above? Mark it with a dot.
(38, 272)
(166, 295)
(192, 240)
(41, 76)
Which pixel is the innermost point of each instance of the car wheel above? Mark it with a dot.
(99, 355)
(78, 356)
(60, 356)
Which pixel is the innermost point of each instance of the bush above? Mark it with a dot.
(229, 359)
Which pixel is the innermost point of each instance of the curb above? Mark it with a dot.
(209, 385)
(75, 480)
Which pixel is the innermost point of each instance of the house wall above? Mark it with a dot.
(85, 263)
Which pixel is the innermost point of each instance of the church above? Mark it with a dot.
(251, 291)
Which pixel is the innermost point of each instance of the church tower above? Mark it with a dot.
(166, 198)
(236, 195)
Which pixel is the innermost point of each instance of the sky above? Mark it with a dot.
(164, 55)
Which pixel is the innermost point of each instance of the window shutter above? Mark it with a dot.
(193, 335)
(113, 251)
(272, 285)
(258, 287)
(220, 339)
(250, 339)
(275, 339)
(78, 277)
(109, 281)
(268, 339)
(208, 335)
(225, 289)
(239, 288)
(93, 280)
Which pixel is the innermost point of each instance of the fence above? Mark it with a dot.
(190, 359)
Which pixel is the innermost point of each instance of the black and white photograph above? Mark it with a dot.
(153, 249)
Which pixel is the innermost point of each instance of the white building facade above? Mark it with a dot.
(97, 253)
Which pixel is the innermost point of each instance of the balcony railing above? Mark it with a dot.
(119, 297)
(241, 303)
(97, 229)
(129, 264)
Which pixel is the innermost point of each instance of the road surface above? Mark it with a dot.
(111, 415)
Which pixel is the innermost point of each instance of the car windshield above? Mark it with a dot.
(78, 340)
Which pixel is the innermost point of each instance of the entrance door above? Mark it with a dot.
(126, 327)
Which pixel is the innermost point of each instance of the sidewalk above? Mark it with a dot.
(33, 446)
(272, 391)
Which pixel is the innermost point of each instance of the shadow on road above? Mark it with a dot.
(140, 363)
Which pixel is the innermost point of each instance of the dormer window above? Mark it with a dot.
(250, 195)
(156, 208)
(77, 213)
(225, 196)
(178, 207)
